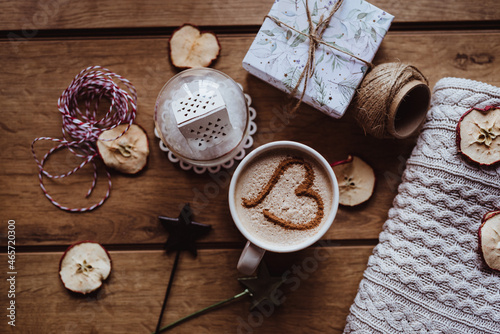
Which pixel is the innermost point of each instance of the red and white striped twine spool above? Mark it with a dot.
(81, 128)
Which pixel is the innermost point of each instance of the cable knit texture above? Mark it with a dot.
(426, 275)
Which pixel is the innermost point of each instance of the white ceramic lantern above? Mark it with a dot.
(202, 116)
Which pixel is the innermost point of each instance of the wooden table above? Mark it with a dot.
(44, 44)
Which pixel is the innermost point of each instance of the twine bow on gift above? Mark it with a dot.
(315, 36)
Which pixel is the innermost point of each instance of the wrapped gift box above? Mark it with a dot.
(278, 54)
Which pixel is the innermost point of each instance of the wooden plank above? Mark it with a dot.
(31, 16)
(322, 281)
(36, 72)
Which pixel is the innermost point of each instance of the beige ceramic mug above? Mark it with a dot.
(283, 197)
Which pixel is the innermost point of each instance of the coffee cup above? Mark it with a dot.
(283, 197)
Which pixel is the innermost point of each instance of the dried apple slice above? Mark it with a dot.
(189, 47)
(489, 239)
(478, 135)
(356, 180)
(127, 153)
(84, 266)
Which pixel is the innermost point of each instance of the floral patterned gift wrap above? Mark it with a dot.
(278, 54)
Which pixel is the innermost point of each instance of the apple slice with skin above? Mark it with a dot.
(478, 135)
(356, 180)
(84, 266)
(127, 153)
(489, 239)
(189, 47)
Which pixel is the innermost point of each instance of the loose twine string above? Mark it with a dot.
(377, 92)
(315, 35)
(81, 128)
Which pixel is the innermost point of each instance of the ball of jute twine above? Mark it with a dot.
(392, 101)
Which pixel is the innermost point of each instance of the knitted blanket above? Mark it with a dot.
(426, 275)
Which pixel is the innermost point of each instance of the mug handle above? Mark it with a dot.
(250, 258)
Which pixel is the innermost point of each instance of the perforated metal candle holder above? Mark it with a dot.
(204, 119)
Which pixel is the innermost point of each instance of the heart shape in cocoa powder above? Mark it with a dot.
(304, 189)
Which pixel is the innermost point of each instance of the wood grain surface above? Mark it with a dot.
(33, 15)
(40, 70)
(45, 43)
(130, 300)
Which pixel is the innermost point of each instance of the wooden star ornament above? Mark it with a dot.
(183, 232)
(182, 235)
(263, 287)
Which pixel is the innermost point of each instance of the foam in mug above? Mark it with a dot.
(283, 197)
